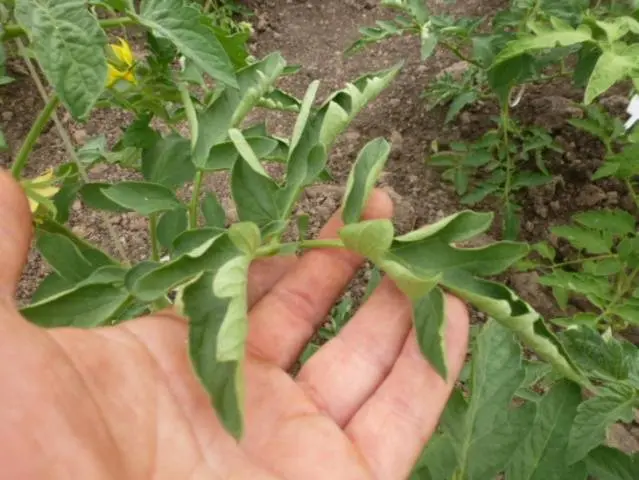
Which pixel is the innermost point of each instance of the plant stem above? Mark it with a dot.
(153, 229)
(582, 260)
(632, 192)
(274, 249)
(68, 145)
(195, 196)
(505, 120)
(36, 129)
(14, 31)
(458, 53)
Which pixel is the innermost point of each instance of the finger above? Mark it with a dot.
(346, 371)
(266, 272)
(15, 234)
(393, 426)
(283, 321)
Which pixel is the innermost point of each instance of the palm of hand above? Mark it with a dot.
(122, 402)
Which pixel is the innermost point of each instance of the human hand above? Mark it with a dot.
(122, 402)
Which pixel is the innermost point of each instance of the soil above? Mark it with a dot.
(314, 34)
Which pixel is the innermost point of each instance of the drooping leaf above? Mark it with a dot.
(83, 307)
(364, 174)
(182, 24)
(438, 460)
(168, 162)
(231, 282)
(595, 415)
(541, 455)
(224, 155)
(246, 152)
(429, 316)
(209, 256)
(69, 44)
(222, 380)
(503, 305)
(142, 197)
(172, 224)
(458, 227)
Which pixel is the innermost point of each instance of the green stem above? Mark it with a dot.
(191, 116)
(622, 289)
(505, 120)
(153, 229)
(632, 192)
(458, 53)
(274, 249)
(582, 260)
(36, 129)
(197, 185)
(14, 31)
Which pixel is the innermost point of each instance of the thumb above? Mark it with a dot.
(15, 234)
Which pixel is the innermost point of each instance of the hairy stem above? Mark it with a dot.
(632, 192)
(36, 130)
(191, 116)
(153, 230)
(15, 31)
(68, 145)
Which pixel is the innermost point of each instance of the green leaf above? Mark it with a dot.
(193, 243)
(168, 162)
(414, 284)
(209, 256)
(369, 164)
(430, 323)
(438, 460)
(458, 227)
(372, 238)
(231, 282)
(581, 238)
(617, 222)
(541, 456)
(609, 69)
(607, 463)
(246, 237)
(549, 39)
(503, 305)
(83, 307)
(339, 110)
(222, 380)
(93, 150)
(606, 358)
(479, 193)
(594, 417)
(246, 152)
(69, 44)
(305, 112)
(213, 212)
(459, 103)
(486, 431)
(172, 224)
(142, 197)
(182, 24)
(224, 155)
(93, 196)
(255, 195)
(64, 257)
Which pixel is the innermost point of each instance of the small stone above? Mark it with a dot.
(590, 196)
(80, 136)
(6, 116)
(77, 206)
(397, 141)
(541, 210)
(529, 226)
(465, 118)
(555, 206)
(613, 198)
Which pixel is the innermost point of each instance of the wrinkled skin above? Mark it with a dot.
(123, 403)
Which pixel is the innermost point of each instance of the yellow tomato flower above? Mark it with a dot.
(40, 189)
(121, 64)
